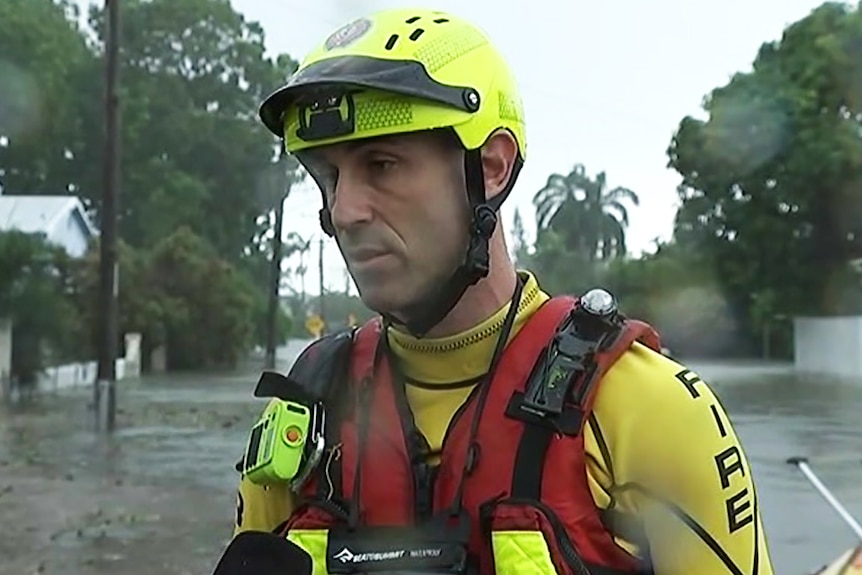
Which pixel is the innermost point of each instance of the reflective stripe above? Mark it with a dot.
(521, 553)
(314, 543)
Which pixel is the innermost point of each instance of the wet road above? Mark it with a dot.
(158, 497)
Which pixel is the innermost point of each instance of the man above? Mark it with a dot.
(411, 123)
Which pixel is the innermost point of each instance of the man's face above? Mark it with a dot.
(400, 212)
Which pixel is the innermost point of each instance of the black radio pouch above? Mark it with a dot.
(315, 376)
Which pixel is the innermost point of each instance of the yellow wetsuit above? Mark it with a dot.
(659, 447)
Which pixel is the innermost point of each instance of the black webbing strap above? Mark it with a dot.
(530, 462)
(566, 371)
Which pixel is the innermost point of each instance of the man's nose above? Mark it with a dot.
(350, 205)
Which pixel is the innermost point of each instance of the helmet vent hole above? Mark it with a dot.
(391, 42)
(441, 20)
(413, 19)
(416, 33)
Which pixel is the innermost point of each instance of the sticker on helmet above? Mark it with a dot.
(348, 34)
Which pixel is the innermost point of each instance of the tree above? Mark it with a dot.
(141, 310)
(197, 165)
(208, 306)
(772, 179)
(32, 295)
(590, 218)
(183, 295)
(41, 97)
(194, 153)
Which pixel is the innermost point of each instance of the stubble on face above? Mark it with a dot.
(401, 215)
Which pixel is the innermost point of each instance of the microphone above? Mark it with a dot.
(263, 553)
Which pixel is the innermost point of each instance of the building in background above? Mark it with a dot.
(63, 220)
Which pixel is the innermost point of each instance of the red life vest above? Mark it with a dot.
(502, 495)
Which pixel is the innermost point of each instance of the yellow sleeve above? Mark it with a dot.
(261, 508)
(661, 450)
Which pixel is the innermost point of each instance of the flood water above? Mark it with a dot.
(158, 496)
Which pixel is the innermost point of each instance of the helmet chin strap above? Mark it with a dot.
(422, 316)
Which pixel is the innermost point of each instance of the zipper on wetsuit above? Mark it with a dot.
(424, 479)
(425, 474)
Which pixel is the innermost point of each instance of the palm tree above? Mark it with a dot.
(588, 216)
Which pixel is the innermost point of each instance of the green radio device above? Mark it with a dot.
(287, 442)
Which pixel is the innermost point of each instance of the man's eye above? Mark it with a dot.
(380, 165)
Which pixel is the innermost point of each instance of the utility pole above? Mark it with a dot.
(105, 391)
(320, 302)
(301, 270)
(274, 284)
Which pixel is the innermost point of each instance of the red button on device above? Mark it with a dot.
(292, 434)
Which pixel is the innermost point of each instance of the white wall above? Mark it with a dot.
(75, 375)
(828, 345)
(84, 373)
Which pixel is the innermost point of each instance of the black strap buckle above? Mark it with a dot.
(549, 387)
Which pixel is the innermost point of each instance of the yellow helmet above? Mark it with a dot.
(396, 71)
(399, 71)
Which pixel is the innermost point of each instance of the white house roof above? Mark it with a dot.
(41, 214)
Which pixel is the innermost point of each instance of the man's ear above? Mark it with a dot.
(499, 155)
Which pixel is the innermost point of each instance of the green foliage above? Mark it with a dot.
(33, 296)
(772, 180)
(521, 246)
(194, 153)
(200, 175)
(339, 306)
(673, 288)
(580, 228)
(770, 224)
(183, 295)
(43, 55)
(138, 311)
(207, 305)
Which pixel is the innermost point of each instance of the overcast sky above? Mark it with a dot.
(605, 83)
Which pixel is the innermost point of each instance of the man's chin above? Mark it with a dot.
(385, 300)
(380, 305)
